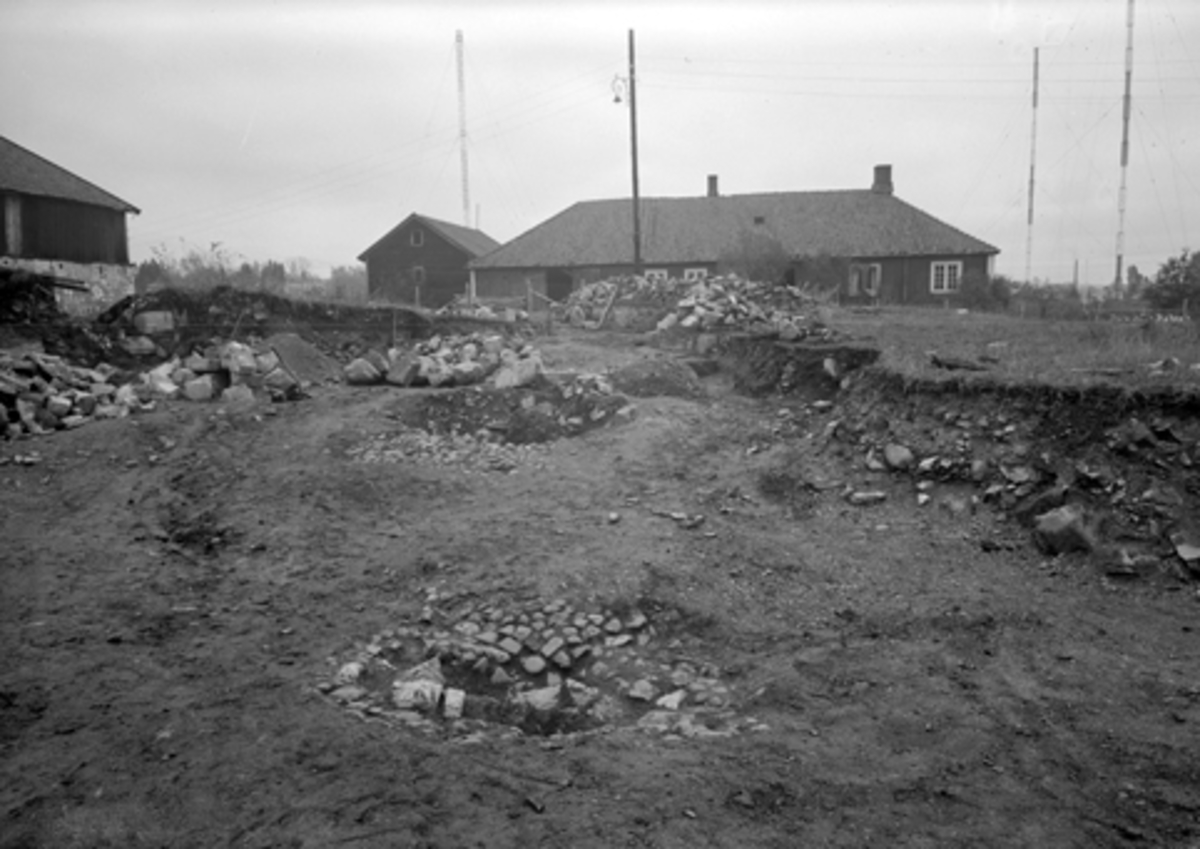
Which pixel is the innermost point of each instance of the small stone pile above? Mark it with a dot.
(446, 361)
(40, 393)
(232, 371)
(541, 667)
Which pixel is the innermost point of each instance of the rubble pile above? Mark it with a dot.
(726, 302)
(452, 360)
(733, 303)
(536, 667)
(1079, 476)
(231, 371)
(40, 393)
(588, 304)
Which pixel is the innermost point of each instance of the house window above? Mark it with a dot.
(655, 274)
(693, 275)
(417, 237)
(418, 274)
(865, 278)
(944, 277)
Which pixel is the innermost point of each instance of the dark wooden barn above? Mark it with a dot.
(53, 215)
(423, 261)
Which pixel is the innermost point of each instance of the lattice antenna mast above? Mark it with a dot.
(1032, 165)
(1128, 102)
(462, 129)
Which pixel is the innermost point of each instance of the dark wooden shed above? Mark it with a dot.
(53, 215)
(423, 261)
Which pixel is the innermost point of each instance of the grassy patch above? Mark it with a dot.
(1058, 353)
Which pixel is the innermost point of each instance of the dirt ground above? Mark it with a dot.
(177, 585)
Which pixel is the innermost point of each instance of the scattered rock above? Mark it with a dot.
(1063, 530)
(898, 457)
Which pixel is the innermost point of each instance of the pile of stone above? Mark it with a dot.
(40, 393)
(589, 304)
(446, 361)
(478, 453)
(733, 303)
(232, 371)
(538, 666)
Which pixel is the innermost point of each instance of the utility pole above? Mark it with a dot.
(637, 218)
(1124, 145)
(462, 129)
(1032, 163)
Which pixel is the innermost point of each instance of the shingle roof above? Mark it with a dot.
(848, 223)
(25, 172)
(475, 242)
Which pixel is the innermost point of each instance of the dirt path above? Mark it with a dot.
(177, 585)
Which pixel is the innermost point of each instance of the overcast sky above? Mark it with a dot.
(309, 129)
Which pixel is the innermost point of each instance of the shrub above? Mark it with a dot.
(1176, 285)
(756, 256)
(980, 291)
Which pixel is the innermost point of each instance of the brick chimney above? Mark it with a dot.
(883, 180)
(712, 186)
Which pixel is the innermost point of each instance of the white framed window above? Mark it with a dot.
(655, 274)
(865, 279)
(417, 237)
(694, 275)
(418, 274)
(944, 277)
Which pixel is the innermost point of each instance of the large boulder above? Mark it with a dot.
(403, 367)
(518, 373)
(360, 372)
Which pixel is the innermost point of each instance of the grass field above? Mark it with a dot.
(1058, 353)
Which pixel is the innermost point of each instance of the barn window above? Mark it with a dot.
(693, 275)
(418, 274)
(655, 274)
(944, 277)
(417, 237)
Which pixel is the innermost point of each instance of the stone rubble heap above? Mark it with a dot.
(587, 304)
(446, 361)
(40, 393)
(730, 302)
(232, 371)
(726, 302)
(541, 667)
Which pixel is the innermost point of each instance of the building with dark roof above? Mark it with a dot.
(878, 247)
(52, 215)
(423, 261)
